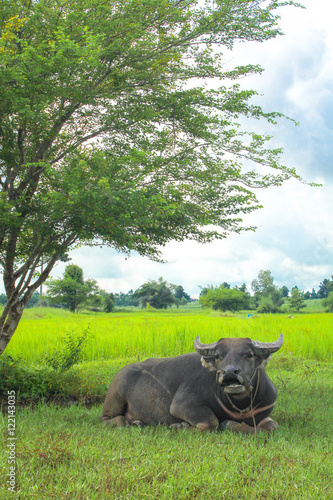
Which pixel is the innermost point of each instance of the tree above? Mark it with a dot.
(296, 300)
(284, 291)
(72, 291)
(226, 285)
(264, 284)
(180, 294)
(224, 299)
(109, 135)
(325, 287)
(157, 294)
(125, 299)
(242, 288)
(268, 304)
(205, 290)
(109, 302)
(267, 296)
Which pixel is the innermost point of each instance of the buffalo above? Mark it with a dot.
(222, 385)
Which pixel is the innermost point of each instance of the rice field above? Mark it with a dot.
(144, 334)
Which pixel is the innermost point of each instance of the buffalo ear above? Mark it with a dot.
(208, 362)
(264, 362)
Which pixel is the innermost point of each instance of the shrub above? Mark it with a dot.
(70, 354)
(328, 302)
(224, 299)
(34, 383)
(267, 305)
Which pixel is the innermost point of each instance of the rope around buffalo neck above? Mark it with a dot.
(252, 398)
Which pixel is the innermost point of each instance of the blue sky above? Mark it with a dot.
(294, 238)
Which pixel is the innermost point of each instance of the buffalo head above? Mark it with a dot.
(236, 361)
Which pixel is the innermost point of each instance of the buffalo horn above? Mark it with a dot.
(204, 349)
(262, 348)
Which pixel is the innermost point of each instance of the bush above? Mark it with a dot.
(224, 299)
(57, 378)
(267, 305)
(34, 383)
(70, 354)
(328, 302)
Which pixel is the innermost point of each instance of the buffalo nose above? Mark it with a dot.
(230, 370)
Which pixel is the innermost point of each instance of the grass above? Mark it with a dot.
(141, 334)
(64, 452)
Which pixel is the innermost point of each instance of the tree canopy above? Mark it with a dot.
(296, 300)
(110, 134)
(325, 287)
(225, 299)
(267, 296)
(157, 294)
(72, 290)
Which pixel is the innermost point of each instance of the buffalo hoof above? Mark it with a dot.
(181, 425)
(119, 421)
(233, 426)
(137, 423)
(203, 426)
(268, 425)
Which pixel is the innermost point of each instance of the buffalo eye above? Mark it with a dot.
(250, 355)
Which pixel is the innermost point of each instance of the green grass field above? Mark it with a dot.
(64, 452)
(143, 334)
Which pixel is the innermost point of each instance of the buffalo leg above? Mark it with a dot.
(119, 421)
(267, 425)
(202, 418)
(115, 405)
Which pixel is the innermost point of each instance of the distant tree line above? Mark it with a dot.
(74, 292)
(266, 298)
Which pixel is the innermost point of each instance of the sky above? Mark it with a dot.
(294, 238)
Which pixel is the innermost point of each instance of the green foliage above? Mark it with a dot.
(109, 135)
(72, 291)
(224, 299)
(264, 284)
(267, 297)
(325, 287)
(268, 305)
(75, 273)
(296, 300)
(328, 302)
(181, 295)
(109, 302)
(125, 299)
(35, 383)
(70, 354)
(205, 289)
(158, 294)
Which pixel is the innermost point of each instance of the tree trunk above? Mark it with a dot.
(12, 320)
